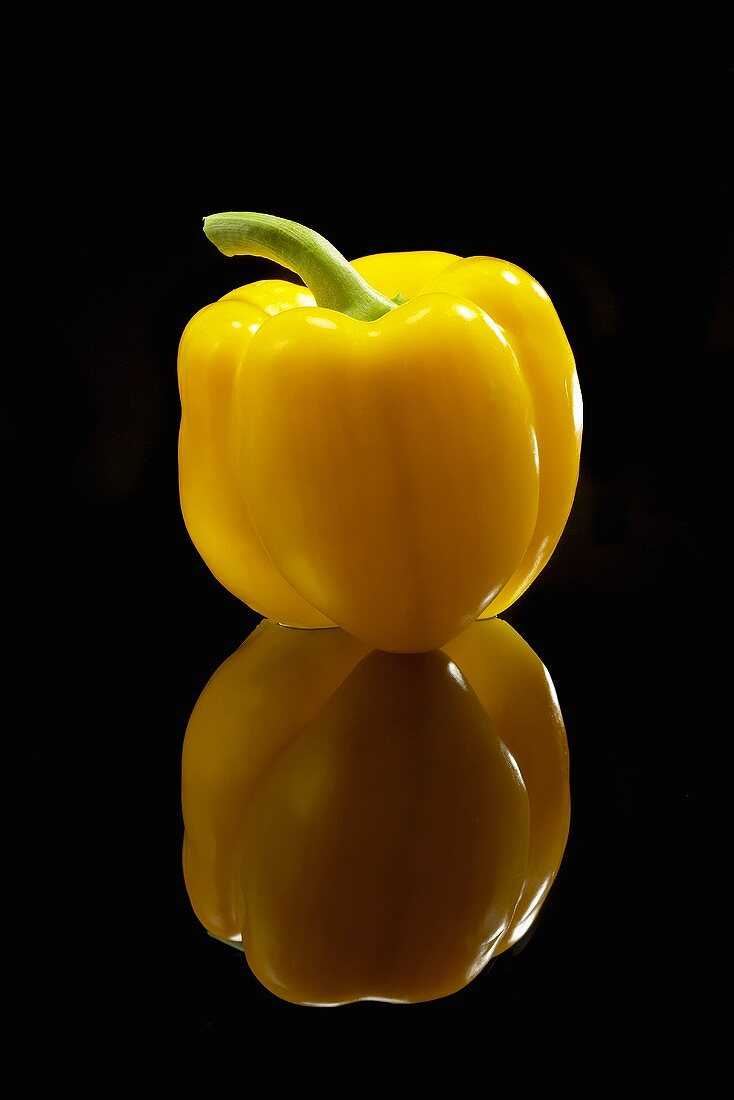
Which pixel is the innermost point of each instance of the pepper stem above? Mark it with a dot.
(331, 279)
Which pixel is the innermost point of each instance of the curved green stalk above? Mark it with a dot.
(328, 275)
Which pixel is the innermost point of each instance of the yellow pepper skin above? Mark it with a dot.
(214, 345)
(398, 469)
(373, 826)
(525, 313)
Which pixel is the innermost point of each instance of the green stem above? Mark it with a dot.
(331, 279)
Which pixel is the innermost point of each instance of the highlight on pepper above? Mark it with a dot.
(392, 448)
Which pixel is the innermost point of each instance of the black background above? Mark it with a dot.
(629, 232)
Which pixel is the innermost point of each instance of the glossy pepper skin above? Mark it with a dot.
(399, 471)
(372, 825)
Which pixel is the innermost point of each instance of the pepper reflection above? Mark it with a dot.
(374, 825)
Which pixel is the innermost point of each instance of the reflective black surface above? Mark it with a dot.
(610, 616)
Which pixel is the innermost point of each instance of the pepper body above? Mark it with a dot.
(399, 477)
(371, 825)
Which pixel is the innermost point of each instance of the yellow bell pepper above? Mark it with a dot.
(394, 449)
(366, 825)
